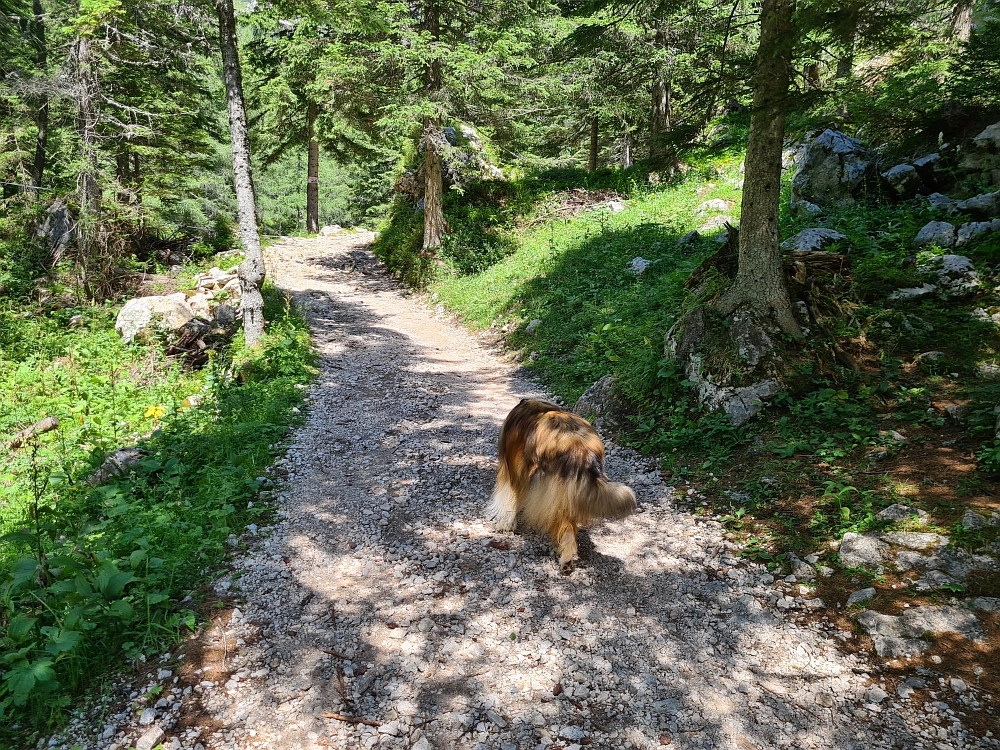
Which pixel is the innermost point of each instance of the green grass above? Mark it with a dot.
(96, 575)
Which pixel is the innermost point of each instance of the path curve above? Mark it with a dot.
(382, 593)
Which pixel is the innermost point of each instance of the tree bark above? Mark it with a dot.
(88, 184)
(659, 119)
(434, 223)
(251, 270)
(760, 280)
(810, 75)
(961, 20)
(594, 144)
(312, 180)
(42, 100)
(627, 148)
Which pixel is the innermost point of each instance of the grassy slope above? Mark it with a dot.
(119, 558)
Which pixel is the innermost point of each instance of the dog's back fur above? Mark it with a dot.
(550, 473)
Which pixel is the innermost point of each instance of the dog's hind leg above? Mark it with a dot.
(565, 538)
(503, 506)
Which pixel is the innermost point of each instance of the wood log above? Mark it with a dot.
(45, 425)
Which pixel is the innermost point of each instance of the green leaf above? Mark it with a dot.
(112, 585)
(20, 627)
(16, 537)
(61, 640)
(157, 598)
(136, 558)
(22, 680)
(122, 609)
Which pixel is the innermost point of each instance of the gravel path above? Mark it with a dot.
(383, 594)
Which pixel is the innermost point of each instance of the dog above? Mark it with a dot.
(550, 474)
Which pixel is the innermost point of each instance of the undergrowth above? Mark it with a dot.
(98, 573)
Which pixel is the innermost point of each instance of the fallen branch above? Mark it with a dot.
(349, 719)
(335, 653)
(46, 425)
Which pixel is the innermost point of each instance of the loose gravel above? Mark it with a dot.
(382, 594)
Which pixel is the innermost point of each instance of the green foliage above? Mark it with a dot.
(97, 570)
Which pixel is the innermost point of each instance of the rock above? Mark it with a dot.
(914, 539)
(813, 239)
(421, 744)
(972, 520)
(118, 463)
(913, 292)
(933, 580)
(150, 739)
(941, 202)
(986, 603)
(875, 694)
(689, 238)
(532, 326)
(713, 224)
(330, 230)
(802, 570)
(716, 205)
(861, 550)
(861, 596)
(639, 265)
(958, 685)
(600, 404)
(832, 170)
(983, 154)
(935, 233)
(225, 316)
(168, 313)
(613, 206)
(898, 512)
(805, 209)
(932, 356)
(572, 733)
(967, 232)
(956, 276)
(903, 635)
(984, 206)
(930, 168)
(903, 180)
(147, 717)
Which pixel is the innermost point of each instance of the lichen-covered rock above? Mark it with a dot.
(984, 206)
(861, 550)
(833, 170)
(967, 232)
(899, 512)
(902, 635)
(903, 180)
(813, 239)
(955, 275)
(168, 313)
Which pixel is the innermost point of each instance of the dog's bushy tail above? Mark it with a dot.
(607, 499)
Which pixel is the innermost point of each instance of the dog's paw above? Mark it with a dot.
(506, 521)
(568, 566)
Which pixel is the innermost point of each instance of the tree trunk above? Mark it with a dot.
(961, 20)
(627, 148)
(760, 280)
(810, 77)
(88, 182)
(592, 163)
(251, 270)
(42, 100)
(659, 119)
(434, 223)
(312, 181)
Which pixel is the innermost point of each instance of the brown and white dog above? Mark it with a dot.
(550, 474)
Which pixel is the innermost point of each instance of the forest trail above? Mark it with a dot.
(384, 594)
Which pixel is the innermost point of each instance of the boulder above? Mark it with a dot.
(716, 222)
(984, 206)
(940, 202)
(601, 404)
(983, 154)
(930, 168)
(903, 180)
(813, 239)
(639, 265)
(955, 275)
(330, 230)
(904, 635)
(861, 550)
(898, 512)
(914, 292)
(716, 205)
(168, 313)
(118, 463)
(832, 170)
(967, 232)
(935, 233)
(861, 596)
